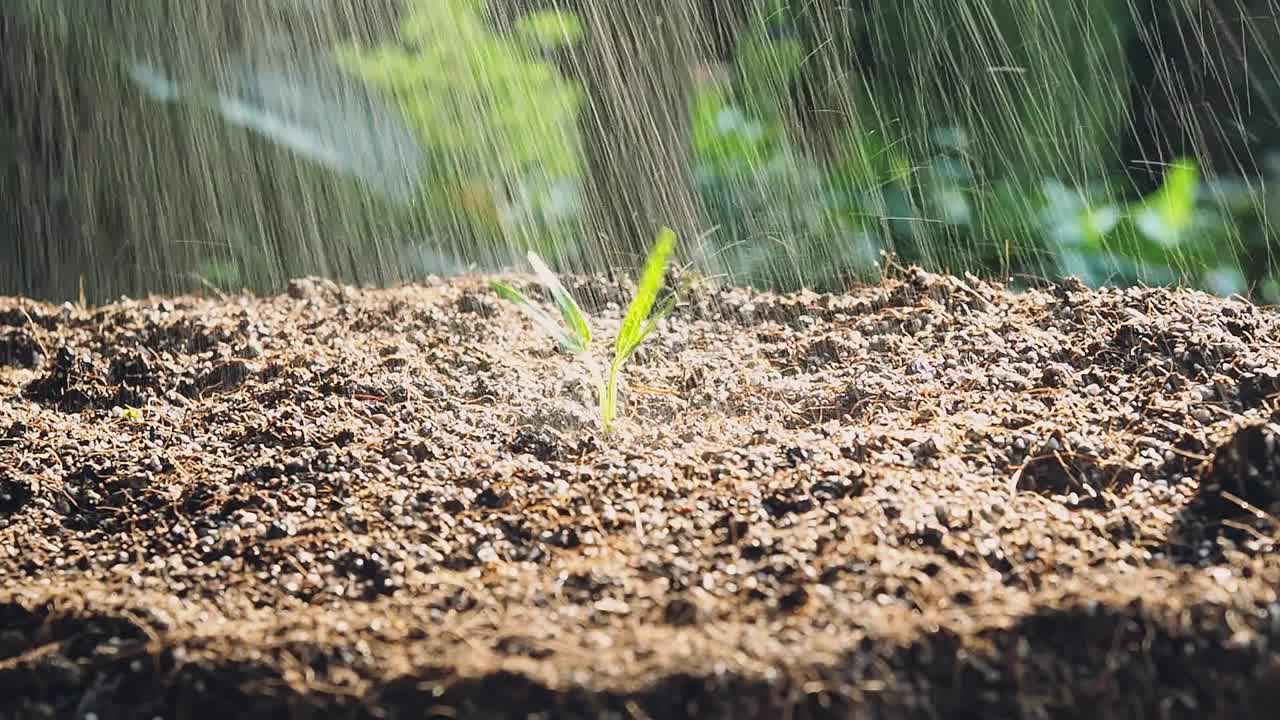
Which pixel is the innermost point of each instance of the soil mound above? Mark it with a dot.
(933, 498)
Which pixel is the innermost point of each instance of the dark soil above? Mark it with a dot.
(930, 499)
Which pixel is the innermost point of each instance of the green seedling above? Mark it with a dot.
(574, 332)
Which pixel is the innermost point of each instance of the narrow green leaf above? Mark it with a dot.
(569, 310)
(539, 317)
(664, 308)
(507, 292)
(633, 324)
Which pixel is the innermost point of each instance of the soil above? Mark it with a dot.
(934, 498)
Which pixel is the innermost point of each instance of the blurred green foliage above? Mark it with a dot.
(1020, 139)
(504, 119)
(162, 147)
(986, 144)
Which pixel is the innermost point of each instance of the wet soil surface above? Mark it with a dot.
(930, 499)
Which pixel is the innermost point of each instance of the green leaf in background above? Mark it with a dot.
(550, 29)
(633, 328)
(728, 139)
(1270, 290)
(1077, 217)
(1097, 221)
(1167, 215)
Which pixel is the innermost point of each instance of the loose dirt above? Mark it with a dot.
(929, 499)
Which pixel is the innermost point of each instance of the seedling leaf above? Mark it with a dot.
(569, 310)
(634, 326)
(664, 308)
(641, 318)
(541, 318)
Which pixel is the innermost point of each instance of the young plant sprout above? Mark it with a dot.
(574, 333)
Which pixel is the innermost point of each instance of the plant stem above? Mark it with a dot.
(609, 397)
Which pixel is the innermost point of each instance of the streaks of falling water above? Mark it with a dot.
(160, 147)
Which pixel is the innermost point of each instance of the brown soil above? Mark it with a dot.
(930, 499)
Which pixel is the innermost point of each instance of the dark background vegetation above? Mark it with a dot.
(235, 143)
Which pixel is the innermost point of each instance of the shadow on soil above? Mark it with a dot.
(1237, 506)
(1097, 662)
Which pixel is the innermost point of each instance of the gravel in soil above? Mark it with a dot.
(933, 498)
